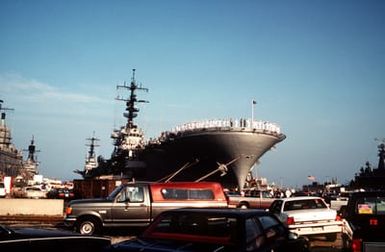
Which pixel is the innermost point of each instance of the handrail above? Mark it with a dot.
(242, 123)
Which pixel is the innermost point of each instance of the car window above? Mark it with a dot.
(276, 206)
(271, 226)
(304, 204)
(197, 224)
(187, 194)
(371, 205)
(254, 235)
(266, 194)
(252, 229)
(267, 221)
(131, 194)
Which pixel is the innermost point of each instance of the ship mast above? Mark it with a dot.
(129, 140)
(132, 111)
(32, 150)
(92, 145)
(30, 166)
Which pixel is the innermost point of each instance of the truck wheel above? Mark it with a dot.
(331, 237)
(88, 226)
(243, 205)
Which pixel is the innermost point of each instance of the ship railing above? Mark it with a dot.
(263, 127)
(236, 125)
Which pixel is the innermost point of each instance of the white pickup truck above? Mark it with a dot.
(308, 216)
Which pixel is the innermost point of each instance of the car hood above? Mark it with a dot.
(37, 232)
(35, 239)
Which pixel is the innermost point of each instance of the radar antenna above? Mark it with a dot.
(4, 109)
(132, 110)
(92, 145)
(32, 150)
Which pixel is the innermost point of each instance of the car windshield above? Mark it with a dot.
(371, 205)
(194, 224)
(304, 204)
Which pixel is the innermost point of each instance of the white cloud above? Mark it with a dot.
(14, 85)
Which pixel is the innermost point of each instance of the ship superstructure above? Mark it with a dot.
(91, 160)
(371, 178)
(211, 150)
(31, 165)
(129, 139)
(11, 159)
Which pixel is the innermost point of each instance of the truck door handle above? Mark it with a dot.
(127, 206)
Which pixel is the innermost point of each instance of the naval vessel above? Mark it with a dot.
(11, 159)
(209, 150)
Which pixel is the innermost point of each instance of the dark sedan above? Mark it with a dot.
(36, 239)
(214, 230)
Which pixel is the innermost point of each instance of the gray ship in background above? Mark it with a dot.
(211, 150)
(11, 159)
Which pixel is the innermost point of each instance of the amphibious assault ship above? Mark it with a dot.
(210, 150)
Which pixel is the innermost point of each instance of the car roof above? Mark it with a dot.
(300, 198)
(222, 211)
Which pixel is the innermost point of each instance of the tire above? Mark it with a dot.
(88, 226)
(331, 237)
(244, 205)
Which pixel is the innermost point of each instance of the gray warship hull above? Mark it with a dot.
(224, 154)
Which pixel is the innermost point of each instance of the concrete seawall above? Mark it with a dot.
(32, 207)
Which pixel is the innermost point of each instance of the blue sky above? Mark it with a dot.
(317, 68)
